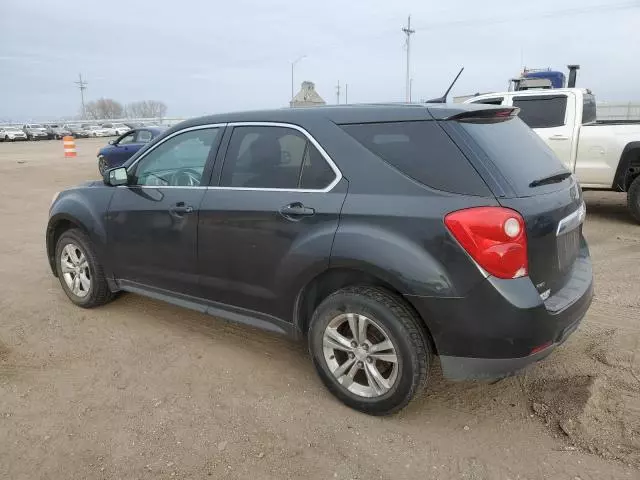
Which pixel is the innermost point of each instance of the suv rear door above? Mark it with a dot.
(269, 218)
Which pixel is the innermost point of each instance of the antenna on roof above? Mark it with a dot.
(443, 99)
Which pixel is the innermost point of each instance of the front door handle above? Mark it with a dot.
(180, 209)
(297, 210)
(558, 137)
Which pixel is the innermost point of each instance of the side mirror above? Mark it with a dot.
(112, 142)
(116, 176)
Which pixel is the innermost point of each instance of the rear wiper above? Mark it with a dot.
(555, 178)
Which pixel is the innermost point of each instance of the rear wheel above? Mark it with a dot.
(633, 199)
(79, 271)
(369, 349)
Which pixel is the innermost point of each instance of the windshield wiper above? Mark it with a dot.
(555, 178)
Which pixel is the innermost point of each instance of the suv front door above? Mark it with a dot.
(153, 222)
(269, 218)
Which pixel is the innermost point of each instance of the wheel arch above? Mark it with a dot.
(337, 278)
(628, 167)
(56, 227)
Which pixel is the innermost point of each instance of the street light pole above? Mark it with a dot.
(293, 64)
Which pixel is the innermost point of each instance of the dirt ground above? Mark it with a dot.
(142, 389)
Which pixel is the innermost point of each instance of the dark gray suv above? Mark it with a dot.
(383, 235)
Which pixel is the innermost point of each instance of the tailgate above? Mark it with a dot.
(526, 176)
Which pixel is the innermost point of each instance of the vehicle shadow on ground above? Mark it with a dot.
(608, 210)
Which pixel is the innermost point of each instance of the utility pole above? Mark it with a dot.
(346, 93)
(338, 93)
(408, 32)
(82, 85)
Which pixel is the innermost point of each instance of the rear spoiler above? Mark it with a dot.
(486, 115)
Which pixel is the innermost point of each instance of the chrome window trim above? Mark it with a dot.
(309, 137)
(572, 220)
(314, 142)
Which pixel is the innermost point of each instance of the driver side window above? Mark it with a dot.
(179, 161)
(127, 139)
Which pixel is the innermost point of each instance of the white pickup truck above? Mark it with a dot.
(603, 155)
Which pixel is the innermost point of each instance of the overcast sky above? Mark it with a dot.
(213, 56)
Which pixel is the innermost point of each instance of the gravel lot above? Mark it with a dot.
(141, 389)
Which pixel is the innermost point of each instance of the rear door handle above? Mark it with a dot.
(558, 137)
(296, 210)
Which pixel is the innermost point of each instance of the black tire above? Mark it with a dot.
(402, 327)
(633, 199)
(98, 292)
(102, 165)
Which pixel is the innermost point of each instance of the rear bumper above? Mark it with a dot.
(502, 326)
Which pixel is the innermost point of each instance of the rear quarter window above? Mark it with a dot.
(423, 151)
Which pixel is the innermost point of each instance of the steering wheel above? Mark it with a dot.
(186, 177)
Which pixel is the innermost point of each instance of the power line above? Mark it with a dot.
(408, 32)
(82, 85)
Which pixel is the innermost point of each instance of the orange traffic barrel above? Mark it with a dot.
(69, 146)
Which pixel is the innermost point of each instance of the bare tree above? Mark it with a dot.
(103, 108)
(146, 109)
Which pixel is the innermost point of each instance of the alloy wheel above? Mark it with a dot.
(360, 355)
(75, 270)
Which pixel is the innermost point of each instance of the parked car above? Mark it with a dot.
(383, 235)
(604, 155)
(35, 131)
(117, 128)
(133, 125)
(11, 134)
(97, 131)
(77, 131)
(56, 132)
(120, 150)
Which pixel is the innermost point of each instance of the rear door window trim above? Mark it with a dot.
(309, 137)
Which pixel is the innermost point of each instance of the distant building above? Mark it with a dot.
(307, 96)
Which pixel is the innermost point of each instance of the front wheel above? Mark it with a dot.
(369, 349)
(633, 199)
(102, 165)
(79, 271)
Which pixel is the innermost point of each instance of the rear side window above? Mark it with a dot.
(422, 151)
(274, 157)
(588, 109)
(541, 112)
(518, 152)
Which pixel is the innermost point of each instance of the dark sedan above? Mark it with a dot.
(119, 150)
(77, 131)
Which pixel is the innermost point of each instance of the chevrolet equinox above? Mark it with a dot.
(383, 235)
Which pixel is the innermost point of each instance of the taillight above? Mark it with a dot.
(495, 238)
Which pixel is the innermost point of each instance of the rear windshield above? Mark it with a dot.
(423, 151)
(518, 152)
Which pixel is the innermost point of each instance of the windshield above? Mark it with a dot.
(518, 152)
(35, 125)
(11, 129)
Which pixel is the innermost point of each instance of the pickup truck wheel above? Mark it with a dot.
(79, 272)
(369, 349)
(633, 199)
